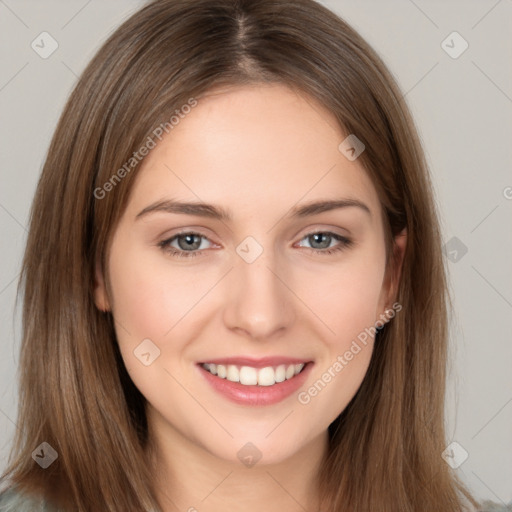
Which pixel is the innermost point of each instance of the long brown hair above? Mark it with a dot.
(75, 393)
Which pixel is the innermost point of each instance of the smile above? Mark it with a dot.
(259, 385)
(250, 376)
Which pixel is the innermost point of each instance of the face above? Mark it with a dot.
(269, 279)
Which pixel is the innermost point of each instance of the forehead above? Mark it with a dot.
(253, 149)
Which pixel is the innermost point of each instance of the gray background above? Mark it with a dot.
(463, 109)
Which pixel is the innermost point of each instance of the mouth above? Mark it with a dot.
(252, 376)
(259, 384)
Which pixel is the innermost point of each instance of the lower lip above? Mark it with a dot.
(256, 395)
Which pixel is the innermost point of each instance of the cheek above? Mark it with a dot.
(151, 301)
(348, 304)
(346, 297)
(150, 295)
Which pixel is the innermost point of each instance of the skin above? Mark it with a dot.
(256, 151)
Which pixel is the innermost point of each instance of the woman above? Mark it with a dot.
(234, 293)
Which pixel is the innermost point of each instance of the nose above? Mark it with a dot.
(260, 304)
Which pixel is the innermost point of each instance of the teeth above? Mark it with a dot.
(233, 374)
(266, 376)
(221, 371)
(280, 373)
(249, 376)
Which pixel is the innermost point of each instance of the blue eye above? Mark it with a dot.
(319, 237)
(189, 243)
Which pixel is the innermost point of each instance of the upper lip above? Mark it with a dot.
(255, 362)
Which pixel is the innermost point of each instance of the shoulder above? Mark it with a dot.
(13, 500)
(489, 506)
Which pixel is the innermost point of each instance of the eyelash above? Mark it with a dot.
(164, 244)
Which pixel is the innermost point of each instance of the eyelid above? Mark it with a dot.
(169, 239)
(344, 242)
(199, 231)
(332, 234)
(323, 228)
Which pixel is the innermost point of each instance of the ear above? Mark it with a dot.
(100, 290)
(392, 281)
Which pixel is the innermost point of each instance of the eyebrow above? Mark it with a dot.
(217, 212)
